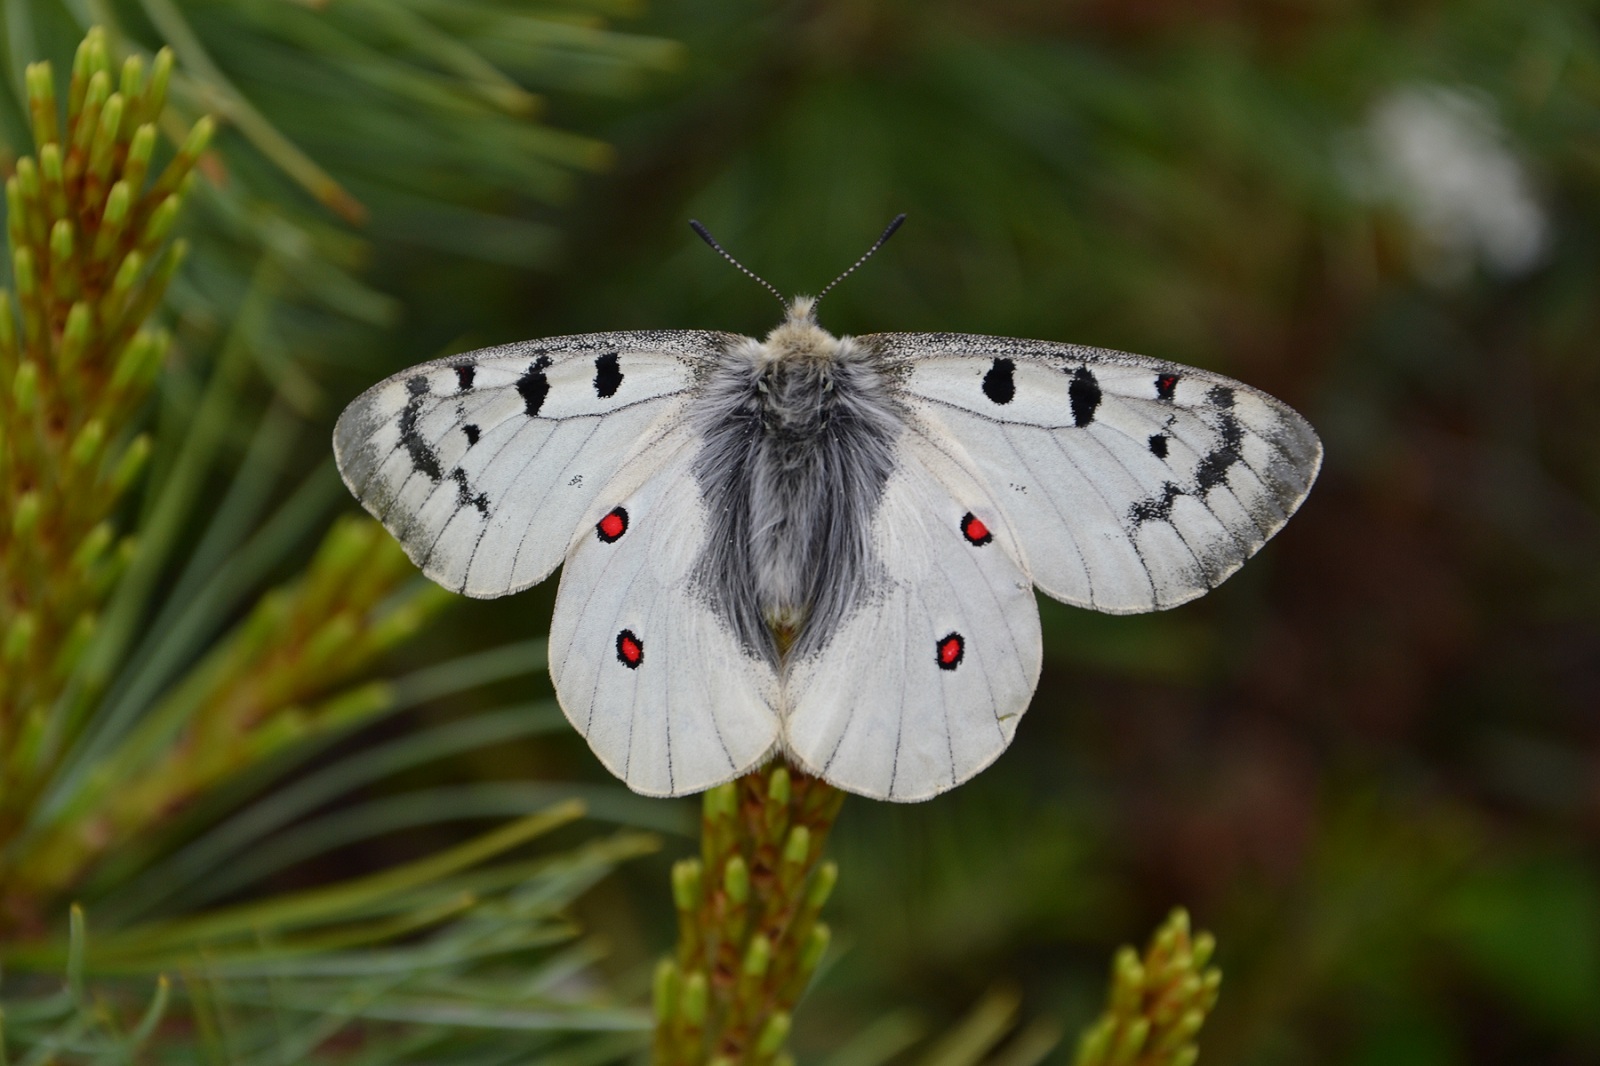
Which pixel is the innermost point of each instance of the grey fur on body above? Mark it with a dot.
(799, 435)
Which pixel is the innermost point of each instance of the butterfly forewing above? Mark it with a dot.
(643, 667)
(1134, 484)
(482, 464)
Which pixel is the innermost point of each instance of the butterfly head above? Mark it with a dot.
(798, 338)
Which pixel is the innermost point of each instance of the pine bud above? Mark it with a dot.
(87, 444)
(156, 95)
(686, 884)
(137, 166)
(105, 138)
(74, 338)
(132, 84)
(93, 547)
(25, 515)
(758, 956)
(19, 637)
(25, 388)
(822, 883)
(665, 989)
(41, 86)
(130, 464)
(736, 880)
(773, 1034)
(693, 1004)
(816, 946)
(797, 849)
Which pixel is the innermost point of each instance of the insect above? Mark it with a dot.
(815, 546)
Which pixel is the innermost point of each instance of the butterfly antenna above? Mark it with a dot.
(706, 236)
(879, 243)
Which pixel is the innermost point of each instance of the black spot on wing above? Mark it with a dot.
(607, 375)
(423, 458)
(533, 386)
(464, 375)
(1165, 384)
(1220, 396)
(1084, 395)
(1156, 508)
(472, 433)
(999, 384)
(464, 494)
(1158, 445)
(1213, 468)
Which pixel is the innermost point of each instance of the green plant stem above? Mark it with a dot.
(748, 935)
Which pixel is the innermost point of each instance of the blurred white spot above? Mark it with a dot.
(1442, 157)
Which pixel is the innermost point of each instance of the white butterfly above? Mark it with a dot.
(819, 547)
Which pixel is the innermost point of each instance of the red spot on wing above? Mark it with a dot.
(612, 526)
(630, 649)
(950, 649)
(974, 530)
(1164, 386)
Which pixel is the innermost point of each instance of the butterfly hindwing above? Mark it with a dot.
(1135, 484)
(924, 683)
(643, 666)
(482, 464)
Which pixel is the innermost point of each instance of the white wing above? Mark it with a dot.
(924, 683)
(1134, 484)
(643, 668)
(482, 464)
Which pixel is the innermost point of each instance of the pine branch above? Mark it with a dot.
(88, 230)
(748, 935)
(1157, 1003)
(89, 222)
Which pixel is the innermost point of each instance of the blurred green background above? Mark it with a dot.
(1370, 763)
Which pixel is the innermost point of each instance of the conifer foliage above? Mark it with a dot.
(89, 218)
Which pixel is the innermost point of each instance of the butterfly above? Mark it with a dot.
(817, 547)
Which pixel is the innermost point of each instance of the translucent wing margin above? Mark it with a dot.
(482, 464)
(1134, 484)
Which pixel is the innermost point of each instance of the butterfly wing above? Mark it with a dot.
(643, 666)
(1134, 484)
(925, 681)
(482, 464)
